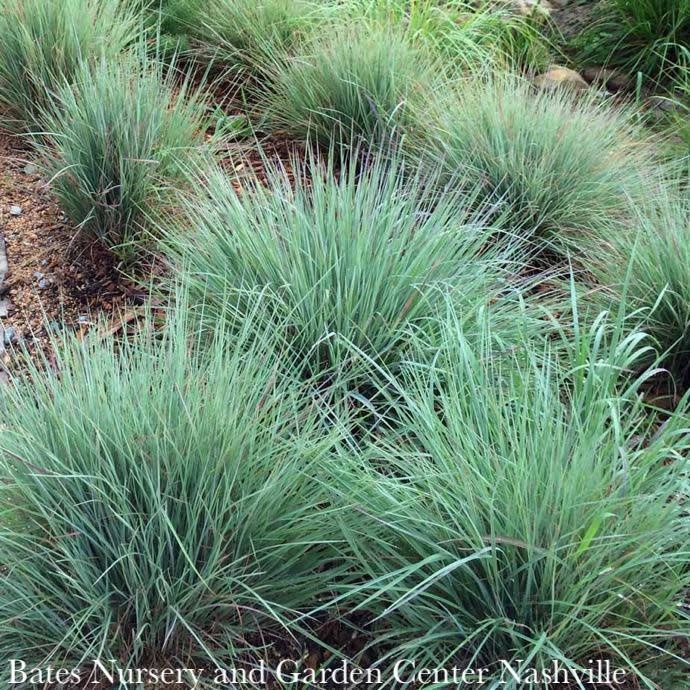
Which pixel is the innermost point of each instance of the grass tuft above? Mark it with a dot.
(353, 257)
(158, 506)
(45, 42)
(349, 87)
(647, 274)
(118, 144)
(464, 35)
(526, 512)
(645, 36)
(246, 37)
(562, 166)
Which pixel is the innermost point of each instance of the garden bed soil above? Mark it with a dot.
(53, 281)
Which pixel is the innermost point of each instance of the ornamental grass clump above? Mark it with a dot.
(159, 502)
(174, 17)
(464, 35)
(353, 257)
(118, 146)
(563, 166)
(525, 509)
(245, 38)
(638, 36)
(647, 274)
(348, 87)
(45, 42)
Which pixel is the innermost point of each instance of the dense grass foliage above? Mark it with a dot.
(680, 99)
(647, 268)
(370, 421)
(352, 85)
(44, 43)
(118, 143)
(466, 35)
(521, 516)
(644, 36)
(245, 37)
(175, 17)
(508, 39)
(562, 166)
(158, 504)
(354, 257)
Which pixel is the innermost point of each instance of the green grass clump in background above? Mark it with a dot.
(525, 511)
(506, 38)
(44, 43)
(643, 36)
(351, 85)
(169, 24)
(562, 166)
(680, 115)
(245, 37)
(175, 17)
(464, 35)
(118, 143)
(646, 267)
(157, 503)
(352, 256)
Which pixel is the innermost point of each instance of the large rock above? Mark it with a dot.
(561, 77)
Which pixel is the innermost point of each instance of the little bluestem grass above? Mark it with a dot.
(45, 42)
(524, 508)
(117, 145)
(354, 257)
(158, 500)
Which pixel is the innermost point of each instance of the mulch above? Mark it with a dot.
(54, 280)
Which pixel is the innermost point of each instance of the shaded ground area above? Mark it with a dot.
(52, 282)
(573, 16)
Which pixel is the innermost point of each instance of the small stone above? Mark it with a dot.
(30, 169)
(83, 318)
(15, 210)
(4, 268)
(43, 280)
(561, 77)
(9, 336)
(666, 105)
(6, 308)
